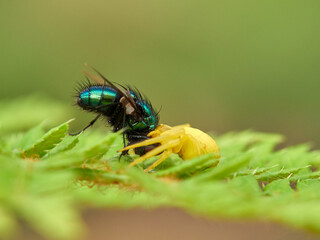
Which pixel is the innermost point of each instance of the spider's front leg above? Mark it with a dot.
(169, 145)
(156, 138)
(170, 140)
(163, 157)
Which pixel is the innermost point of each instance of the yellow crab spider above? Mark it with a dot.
(184, 140)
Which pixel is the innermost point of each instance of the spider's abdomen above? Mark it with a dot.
(197, 143)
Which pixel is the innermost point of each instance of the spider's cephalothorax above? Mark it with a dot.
(123, 107)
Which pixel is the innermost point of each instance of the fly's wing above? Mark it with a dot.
(93, 77)
(100, 79)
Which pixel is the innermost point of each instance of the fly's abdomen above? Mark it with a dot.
(95, 96)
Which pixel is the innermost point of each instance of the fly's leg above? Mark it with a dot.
(89, 125)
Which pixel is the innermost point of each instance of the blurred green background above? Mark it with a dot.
(218, 65)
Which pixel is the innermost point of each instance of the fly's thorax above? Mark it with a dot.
(147, 121)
